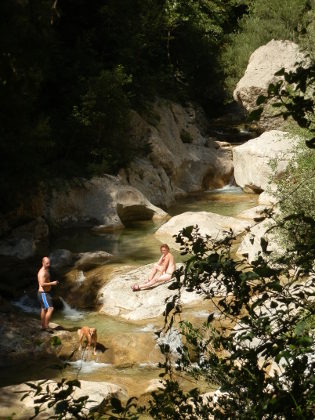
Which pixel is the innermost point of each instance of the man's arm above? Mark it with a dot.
(43, 281)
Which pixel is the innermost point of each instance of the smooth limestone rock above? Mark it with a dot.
(260, 72)
(252, 160)
(104, 201)
(255, 213)
(117, 298)
(181, 157)
(209, 224)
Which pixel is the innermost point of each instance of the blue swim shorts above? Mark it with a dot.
(45, 300)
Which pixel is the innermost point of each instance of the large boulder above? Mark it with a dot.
(102, 201)
(260, 72)
(182, 158)
(88, 260)
(132, 205)
(26, 240)
(117, 298)
(252, 160)
(211, 224)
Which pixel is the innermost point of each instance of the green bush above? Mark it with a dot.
(276, 19)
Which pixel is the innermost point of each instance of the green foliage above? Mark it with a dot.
(296, 196)
(276, 19)
(71, 71)
(102, 122)
(295, 192)
(292, 96)
(55, 341)
(59, 396)
(258, 348)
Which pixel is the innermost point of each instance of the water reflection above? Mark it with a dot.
(136, 244)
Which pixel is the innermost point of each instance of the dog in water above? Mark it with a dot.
(91, 336)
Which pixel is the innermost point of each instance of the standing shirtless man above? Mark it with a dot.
(44, 297)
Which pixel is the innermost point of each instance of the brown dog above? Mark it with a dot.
(90, 334)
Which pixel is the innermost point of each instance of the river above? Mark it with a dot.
(134, 245)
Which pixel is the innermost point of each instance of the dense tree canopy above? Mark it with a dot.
(71, 70)
(292, 20)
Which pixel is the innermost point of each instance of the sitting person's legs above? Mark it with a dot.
(159, 279)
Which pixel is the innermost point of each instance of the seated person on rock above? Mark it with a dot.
(161, 272)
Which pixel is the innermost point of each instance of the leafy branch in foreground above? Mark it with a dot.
(255, 349)
(293, 96)
(257, 346)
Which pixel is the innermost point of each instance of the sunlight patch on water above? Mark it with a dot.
(70, 313)
(88, 366)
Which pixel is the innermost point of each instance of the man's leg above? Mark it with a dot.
(155, 281)
(48, 315)
(42, 317)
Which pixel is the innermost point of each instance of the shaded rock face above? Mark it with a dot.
(27, 240)
(210, 224)
(105, 201)
(252, 160)
(89, 260)
(182, 158)
(260, 72)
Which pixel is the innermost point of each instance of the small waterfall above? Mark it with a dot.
(80, 278)
(227, 189)
(88, 366)
(173, 339)
(70, 313)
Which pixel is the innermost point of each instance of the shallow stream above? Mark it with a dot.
(135, 245)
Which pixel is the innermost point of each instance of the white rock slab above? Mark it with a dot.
(209, 224)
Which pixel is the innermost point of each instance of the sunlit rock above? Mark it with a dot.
(260, 240)
(257, 161)
(210, 224)
(260, 72)
(117, 298)
(132, 205)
